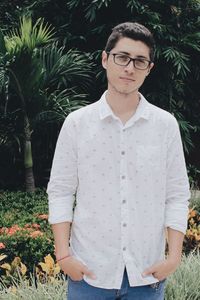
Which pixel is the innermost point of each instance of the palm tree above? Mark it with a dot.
(44, 78)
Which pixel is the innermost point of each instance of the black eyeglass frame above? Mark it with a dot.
(130, 59)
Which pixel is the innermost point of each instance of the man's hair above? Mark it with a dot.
(133, 31)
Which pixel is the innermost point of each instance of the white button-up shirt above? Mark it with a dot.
(130, 183)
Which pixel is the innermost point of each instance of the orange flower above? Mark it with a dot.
(36, 226)
(2, 246)
(12, 230)
(192, 213)
(43, 217)
(36, 233)
(27, 225)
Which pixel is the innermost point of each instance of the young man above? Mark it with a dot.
(123, 158)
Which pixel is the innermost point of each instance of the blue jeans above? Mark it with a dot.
(81, 290)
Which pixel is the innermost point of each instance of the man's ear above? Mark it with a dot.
(104, 59)
(150, 68)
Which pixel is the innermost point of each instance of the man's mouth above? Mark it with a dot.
(126, 79)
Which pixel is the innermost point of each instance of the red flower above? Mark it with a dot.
(2, 246)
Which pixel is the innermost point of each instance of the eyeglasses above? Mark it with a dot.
(124, 60)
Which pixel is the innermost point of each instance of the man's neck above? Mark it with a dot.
(122, 105)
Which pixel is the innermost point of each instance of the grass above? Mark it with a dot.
(184, 283)
(27, 290)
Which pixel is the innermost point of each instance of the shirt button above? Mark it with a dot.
(123, 176)
(124, 249)
(124, 224)
(124, 201)
(123, 152)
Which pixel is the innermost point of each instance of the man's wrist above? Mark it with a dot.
(62, 253)
(62, 257)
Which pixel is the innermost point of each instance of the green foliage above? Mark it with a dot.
(193, 173)
(40, 81)
(22, 207)
(174, 81)
(24, 228)
(28, 36)
(30, 250)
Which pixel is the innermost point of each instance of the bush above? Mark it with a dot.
(30, 249)
(24, 228)
(21, 207)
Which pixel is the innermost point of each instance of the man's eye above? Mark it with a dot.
(123, 58)
(141, 62)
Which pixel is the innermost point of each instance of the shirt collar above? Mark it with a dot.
(143, 109)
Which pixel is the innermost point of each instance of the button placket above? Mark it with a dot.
(123, 177)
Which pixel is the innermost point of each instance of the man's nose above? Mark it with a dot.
(130, 67)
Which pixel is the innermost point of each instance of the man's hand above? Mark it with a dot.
(162, 269)
(75, 269)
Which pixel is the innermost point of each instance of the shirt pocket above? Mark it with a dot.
(148, 158)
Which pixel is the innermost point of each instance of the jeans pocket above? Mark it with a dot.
(158, 284)
(75, 281)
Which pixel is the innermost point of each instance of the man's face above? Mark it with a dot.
(126, 79)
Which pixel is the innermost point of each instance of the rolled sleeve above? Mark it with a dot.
(177, 185)
(63, 179)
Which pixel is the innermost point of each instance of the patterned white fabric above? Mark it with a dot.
(130, 183)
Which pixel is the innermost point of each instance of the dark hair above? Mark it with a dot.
(133, 31)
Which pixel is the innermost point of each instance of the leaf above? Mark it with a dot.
(16, 262)
(2, 256)
(23, 269)
(29, 36)
(2, 43)
(56, 270)
(44, 267)
(49, 261)
(6, 266)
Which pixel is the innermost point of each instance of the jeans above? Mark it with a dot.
(81, 290)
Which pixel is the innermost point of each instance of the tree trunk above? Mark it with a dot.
(28, 160)
(29, 180)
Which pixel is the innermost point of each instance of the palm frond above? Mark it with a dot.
(64, 70)
(59, 105)
(29, 36)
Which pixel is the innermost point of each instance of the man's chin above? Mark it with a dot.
(125, 92)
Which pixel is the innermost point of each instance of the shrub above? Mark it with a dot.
(30, 247)
(47, 271)
(22, 207)
(24, 228)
